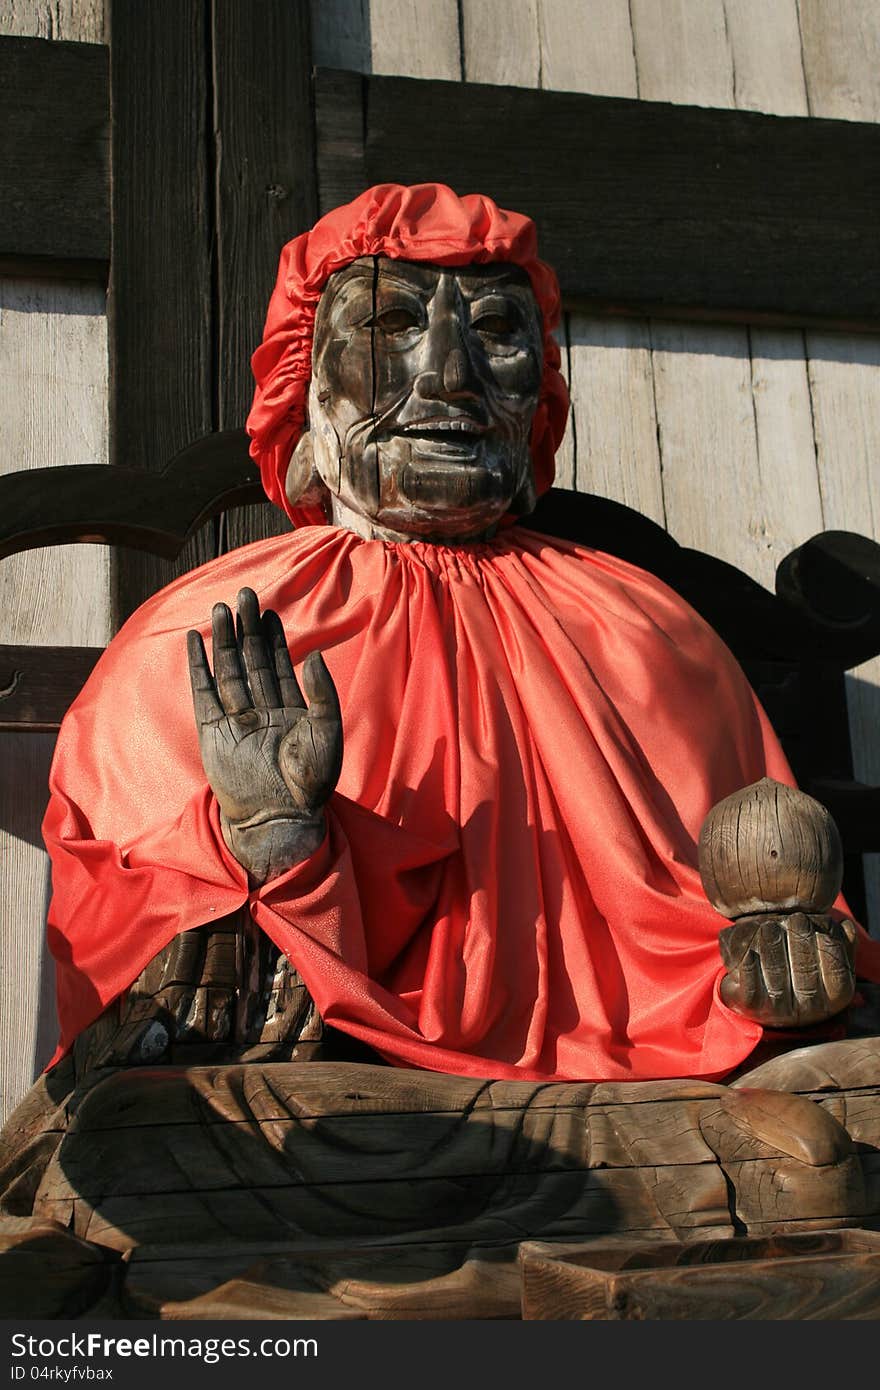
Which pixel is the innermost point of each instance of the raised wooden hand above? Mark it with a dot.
(271, 759)
(788, 971)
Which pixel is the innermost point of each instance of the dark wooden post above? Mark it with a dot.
(160, 307)
(213, 170)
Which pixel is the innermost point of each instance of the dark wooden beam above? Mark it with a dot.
(161, 310)
(37, 684)
(641, 206)
(54, 155)
(266, 191)
(155, 512)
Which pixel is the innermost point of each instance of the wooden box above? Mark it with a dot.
(815, 1274)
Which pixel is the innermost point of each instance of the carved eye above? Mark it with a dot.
(496, 325)
(396, 320)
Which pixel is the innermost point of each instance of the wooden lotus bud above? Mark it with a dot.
(770, 848)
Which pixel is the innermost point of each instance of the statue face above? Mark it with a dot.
(424, 383)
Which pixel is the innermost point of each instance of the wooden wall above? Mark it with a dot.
(742, 441)
(53, 410)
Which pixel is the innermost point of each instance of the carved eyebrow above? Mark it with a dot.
(506, 283)
(398, 282)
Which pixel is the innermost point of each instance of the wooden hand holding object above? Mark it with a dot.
(271, 760)
(770, 858)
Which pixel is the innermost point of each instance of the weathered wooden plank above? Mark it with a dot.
(501, 45)
(339, 138)
(611, 442)
(409, 1280)
(566, 467)
(765, 54)
(161, 317)
(828, 1275)
(78, 21)
(376, 1285)
(322, 1090)
(841, 50)
(682, 51)
(154, 511)
(845, 386)
(28, 1035)
(791, 502)
(415, 38)
(480, 1207)
(750, 442)
(54, 153)
(587, 48)
(341, 34)
(266, 194)
(37, 684)
(747, 179)
(614, 415)
(708, 445)
(53, 365)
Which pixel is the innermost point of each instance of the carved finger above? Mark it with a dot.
(835, 954)
(231, 684)
(735, 941)
(288, 685)
(775, 966)
(806, 980)
(208, 708)
(258, 666)
(319, 688)
(744, 989)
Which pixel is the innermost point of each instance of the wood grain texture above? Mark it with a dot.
(791, 500)
(265, 194)
(161, 317)
(565, 454)
(765, 55)
(81, 21)
(437, 1281)
(37, 684)
(613, 412)
(28, 1035)
(54, 153)
(708, 442)
(341, 34)
(339, 137)
(587, 48)
(841, 52)
(682, 51)
(53, 373)
(827, 1275)
(845, 387)
(344, 1151)
(506, 52)
(841, 47)
(758, 472)
(415, 38)
(53, 369)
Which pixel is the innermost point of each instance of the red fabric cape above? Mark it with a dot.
(534, 733)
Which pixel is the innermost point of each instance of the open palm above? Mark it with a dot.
(268, 755)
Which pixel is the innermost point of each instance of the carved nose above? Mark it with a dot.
(455, 372)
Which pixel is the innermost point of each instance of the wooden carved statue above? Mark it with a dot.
(429, 853)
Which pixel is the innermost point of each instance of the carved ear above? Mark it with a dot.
(304, 485)
(526, 499)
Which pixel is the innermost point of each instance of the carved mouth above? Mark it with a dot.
(442, 426)
(458, 435)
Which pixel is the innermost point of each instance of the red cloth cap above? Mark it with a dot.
(426, 222)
